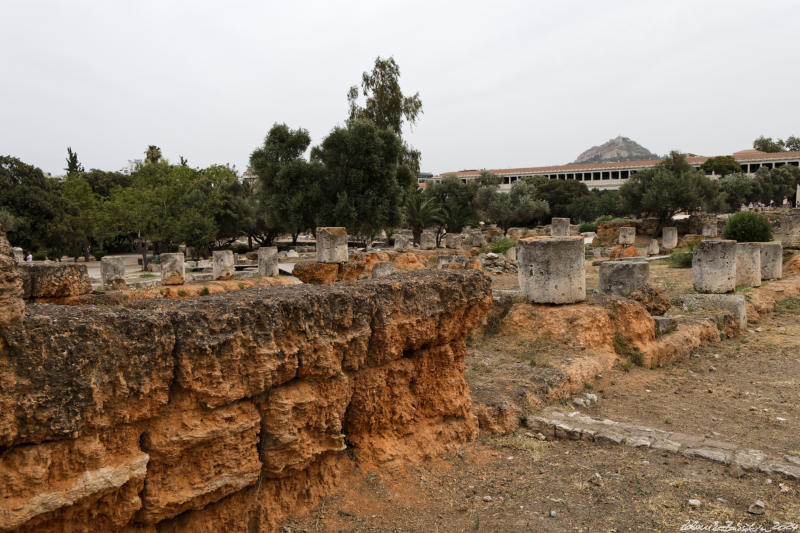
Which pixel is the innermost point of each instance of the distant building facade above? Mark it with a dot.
(611, 176)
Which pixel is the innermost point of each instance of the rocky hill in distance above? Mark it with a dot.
(617, 149)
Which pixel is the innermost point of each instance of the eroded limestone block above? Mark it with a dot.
(733, 303)
(771, 260)
(401, 242)
(493, 233)
(427, 240)
(551, 269)
(331, 245)
(748, 264)
(222, 264)
(621, 278)
(66, 485)
(559, 227)
(54, 280)
(112, 272)
(302, 421)
(652, 247)
(669, 237)
(451, 261)
(454, 241)
(710, 230)
(516, 234)
(19, 255)
(627, 235)
(382, 269)
(714, 266)
(198, 457)
(172, 271)
(268, 261)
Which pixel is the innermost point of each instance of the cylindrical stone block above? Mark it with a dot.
(381, 270)
(669, 237)
(652, 248)
(478, 239)
(511, 254)
(771, 260)
(19, 255)
(453, 241)
(627, 235)
(268, 261)
(748, 264)
(621, 278)
(331, 245)
(427, 241)
(551, 269)
(172, 271)
(222, 264)
(559, 227)
(710, 230)
(401, 242)
(714, 266)
(112, 271)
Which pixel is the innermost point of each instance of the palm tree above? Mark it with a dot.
(153, 154)
(422, 212)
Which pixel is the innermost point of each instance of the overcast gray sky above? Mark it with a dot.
(503, 84)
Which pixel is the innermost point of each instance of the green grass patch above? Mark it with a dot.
(787, 305)
(625, 348)
(147, 275)
(204, 291)
(498, 247)
(680, 259)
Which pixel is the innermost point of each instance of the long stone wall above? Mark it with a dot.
(226, 412)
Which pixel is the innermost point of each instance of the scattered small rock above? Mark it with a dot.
(756, 508)
(579, 401)
(553, 514)
(591, 398)
(597, 480)
(780, 419)
(694, 502)
(539, 436)
(712, 368)
(487, 498)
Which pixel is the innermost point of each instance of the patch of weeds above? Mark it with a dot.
(147, 275)
(181, 293)
(787, 305)
(625, 348)
(204, 291)
(680, 259)
(668, 421)
(241, 285)
(588, 386)
(527, 445)
(539, 359)
(626, 365)
(496, 315)
(743, 289)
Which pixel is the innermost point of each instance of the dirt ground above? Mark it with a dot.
(744, 390)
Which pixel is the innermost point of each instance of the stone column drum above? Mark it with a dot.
(771, 260)
(478, 238)
(710, 230)
(714, 266)
(748, 264)
(559, 227)
(621, 278)
(172, 272)
(332, 245)
(627, 235)
(669, 237)
(652, 248)
(268, 261)
(453, 241)
(222, 264)
(401, 242)
(427, 241)
(112, 272)
(551, 269)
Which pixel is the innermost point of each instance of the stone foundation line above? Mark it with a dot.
(576, 426)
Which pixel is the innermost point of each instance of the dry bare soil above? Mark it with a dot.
(744, 390)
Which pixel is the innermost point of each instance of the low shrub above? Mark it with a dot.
(588, 226)
(501, 246)
(39, 256)
(204, 291)
(241, 249)
(680, 259)
(748, 227)
(98, 254)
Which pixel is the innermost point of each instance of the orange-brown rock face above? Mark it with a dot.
(622, 250)
(230, 411)
(54, 280)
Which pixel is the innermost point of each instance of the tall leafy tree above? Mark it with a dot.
(152, 154)
(73, 165)
(360, 187)
(457, 200)
(722, 165)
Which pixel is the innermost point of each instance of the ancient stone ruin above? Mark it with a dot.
(714, 266)
(748, 264)
(268, 261)
(627, 235)
(226, 412)
(621, 278)
(669, 238)
(172, 269)
(559, 227)
(331, 245)
(222, 264)
(551, 269)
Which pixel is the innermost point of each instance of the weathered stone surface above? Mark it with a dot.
(669, 237)
(710, 229)
(302, 421)
(427, 240)
(748, 264)
(787, 229)
(112, 272)
(734, 303)
(454, 241)
(478, 238)
(172, 271)
(652, 298)
(54, 280)
(771, 260)
(331, 245)
(623, 250)
(114, 367)
(714, 266)
(317, 273)
(551, 269)
(627, 235)
(222, 264)
(559, 227)
(268, 261)
(381, 270)
(451, 261)
(652, 247)
(198, 457)
(19, 255)
(621, 278)
(65, 485)
(493, 233)
(401, 242)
